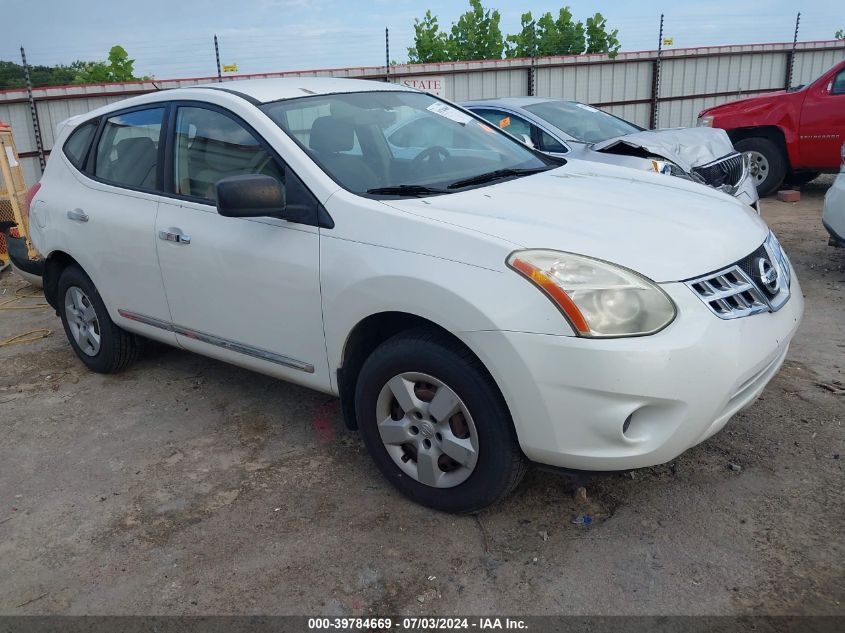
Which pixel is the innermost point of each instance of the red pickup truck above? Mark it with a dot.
(792, 134)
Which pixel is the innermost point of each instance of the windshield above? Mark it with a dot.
(582, 122)
(401, 143)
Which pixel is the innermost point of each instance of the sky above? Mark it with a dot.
(174, 38)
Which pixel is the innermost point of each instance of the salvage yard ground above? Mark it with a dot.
(186, 486)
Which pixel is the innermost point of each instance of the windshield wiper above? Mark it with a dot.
(497, 175)
(407, 190)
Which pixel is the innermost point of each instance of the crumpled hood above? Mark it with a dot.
(667, 229)
(686, 147)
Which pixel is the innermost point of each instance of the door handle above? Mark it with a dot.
(174, 235)
(77, 215)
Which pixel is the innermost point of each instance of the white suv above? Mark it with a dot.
(476, 305)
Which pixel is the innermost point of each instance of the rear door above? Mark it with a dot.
(822, 129)
(245, 290)
(106, 214)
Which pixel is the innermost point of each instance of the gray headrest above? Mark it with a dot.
(330, 135)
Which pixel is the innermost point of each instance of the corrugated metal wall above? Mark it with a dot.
(689, 81)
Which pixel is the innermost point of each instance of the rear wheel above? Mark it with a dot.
(100, 344)
(435, 425)
(767, 162)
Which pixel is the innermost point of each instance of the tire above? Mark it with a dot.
(471, 423)
(769, 165)
(801, 177)
(115, 348)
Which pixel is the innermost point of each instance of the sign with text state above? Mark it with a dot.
(436, 85)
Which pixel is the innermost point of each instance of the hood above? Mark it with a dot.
(754, 101)
(667, 229)
(686, 147)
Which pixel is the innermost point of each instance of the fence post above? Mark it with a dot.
(387, 54)
(790, 56)
(36, 125)
(217, 57)
(532, 72)
(655, 80)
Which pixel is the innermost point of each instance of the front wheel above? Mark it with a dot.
(768, 164)
(100, 344)
(435, 424)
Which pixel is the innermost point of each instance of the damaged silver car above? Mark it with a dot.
(570, 128)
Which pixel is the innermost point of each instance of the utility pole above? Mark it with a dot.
(655, 80)
(217, 56)
(386, 54)
(36, 125)
(790, 62)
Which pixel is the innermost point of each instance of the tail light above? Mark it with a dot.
(30, 196)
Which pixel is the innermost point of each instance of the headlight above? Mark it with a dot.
(705, 121)
(599, 299)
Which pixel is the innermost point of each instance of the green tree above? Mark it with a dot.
(476, 35)
(118, 68)
(599, 40)
(429, 41)
(840, 34)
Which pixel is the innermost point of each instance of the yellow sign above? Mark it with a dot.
(668, 41)
(230, 68)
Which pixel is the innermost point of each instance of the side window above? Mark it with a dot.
(549, 143)
(508, 122)
(127, 152)
(838, 87)
(211, 146)
(77, 144)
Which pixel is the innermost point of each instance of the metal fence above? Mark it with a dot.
(668, 89)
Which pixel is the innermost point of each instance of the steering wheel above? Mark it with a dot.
(436, 155)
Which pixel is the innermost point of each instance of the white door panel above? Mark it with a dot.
(111, 231)
(245, 290)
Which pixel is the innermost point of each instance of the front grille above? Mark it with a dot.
(725, 172)
(740, 290)
(730, 293)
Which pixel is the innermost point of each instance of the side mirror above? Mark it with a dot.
(526, 139)
(251, 196)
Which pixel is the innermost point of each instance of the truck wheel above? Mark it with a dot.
(435, 425)
(768, 164)
(101, 345)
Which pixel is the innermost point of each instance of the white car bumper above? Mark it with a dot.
(833, 216)
(570, 397)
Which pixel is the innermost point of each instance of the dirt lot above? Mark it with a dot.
(187, 486)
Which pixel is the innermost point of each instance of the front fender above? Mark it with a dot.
(458, 297)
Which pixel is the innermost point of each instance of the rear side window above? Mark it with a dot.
(127, 152)
(77, 144)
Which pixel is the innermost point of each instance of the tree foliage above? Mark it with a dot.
(119, 67)
(429, 41)
(840, 34)
(477, 35)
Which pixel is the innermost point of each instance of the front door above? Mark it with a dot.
(245, 290)
(822, 129)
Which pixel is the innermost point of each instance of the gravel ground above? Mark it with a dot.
(185, 486)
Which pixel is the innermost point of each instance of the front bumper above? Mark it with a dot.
(570, 397)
